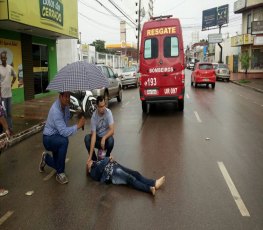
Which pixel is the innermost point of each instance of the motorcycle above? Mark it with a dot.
(82, 102)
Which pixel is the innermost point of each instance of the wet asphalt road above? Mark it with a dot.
(217, 139)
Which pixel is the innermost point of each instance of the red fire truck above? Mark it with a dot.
(162, 62)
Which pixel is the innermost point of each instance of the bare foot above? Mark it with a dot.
(159, 182)
(152, 190)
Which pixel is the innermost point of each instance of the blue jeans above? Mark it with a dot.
(109, 144)
(123, 175)
(58, 145)
(8, 108)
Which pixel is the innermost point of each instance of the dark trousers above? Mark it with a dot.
(58, 145)
(109, 144)
(123, 175)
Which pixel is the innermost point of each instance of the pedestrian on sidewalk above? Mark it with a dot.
(4, 124)
(102, 130)
(110, 171)
(55, 136)
(8, 78)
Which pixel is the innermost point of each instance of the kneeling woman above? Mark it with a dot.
(109, 171)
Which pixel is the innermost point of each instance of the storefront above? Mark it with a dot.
(28, 33)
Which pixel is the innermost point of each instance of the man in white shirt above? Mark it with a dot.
(7, 78)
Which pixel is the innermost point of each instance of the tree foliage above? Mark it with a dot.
(244, 59)
(100, 47)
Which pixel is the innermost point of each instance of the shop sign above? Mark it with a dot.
(3, 10)
(237, 40)
(258, 40)
(248, 39)
(53, 15)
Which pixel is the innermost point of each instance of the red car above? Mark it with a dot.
(203, 73)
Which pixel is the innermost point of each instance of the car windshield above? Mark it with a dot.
(129, 69)
(205, 66)
(215, 66)
(223, 66)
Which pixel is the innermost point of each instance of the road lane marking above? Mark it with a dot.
(239, 202)
(5, 217)
(197, 117)
(187, 96)
(53, 172)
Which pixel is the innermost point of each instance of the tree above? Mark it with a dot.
(100, 47)
(244, 59)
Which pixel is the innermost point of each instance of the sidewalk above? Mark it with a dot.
(252, 80)
(29, 117)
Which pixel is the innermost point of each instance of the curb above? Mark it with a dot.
(6, 143)
(247, 86)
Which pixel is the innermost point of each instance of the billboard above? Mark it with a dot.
(59, 16)
(222, 15)
(216, 16)
(209, 18)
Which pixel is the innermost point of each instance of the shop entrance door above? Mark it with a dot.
(40, 68)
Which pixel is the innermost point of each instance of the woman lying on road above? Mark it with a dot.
(109, 171)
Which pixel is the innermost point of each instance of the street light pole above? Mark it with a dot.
(139, 30)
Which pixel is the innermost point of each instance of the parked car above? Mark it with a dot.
(129, 76)
(203, 74)
(222, 71)
(115, 86)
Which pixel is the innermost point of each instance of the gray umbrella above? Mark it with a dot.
(79, 75)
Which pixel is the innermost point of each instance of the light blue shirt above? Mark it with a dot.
(57, 121)
(100, 124)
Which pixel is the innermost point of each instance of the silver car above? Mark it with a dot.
(129, 76)
(115, 86)
(222, 71)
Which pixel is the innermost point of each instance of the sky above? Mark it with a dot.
(96, 22)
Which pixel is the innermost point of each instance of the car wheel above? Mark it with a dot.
(119, 97)
(106, 98)
(195, 85)
(144, 106)
(181, 105)
(213, 85)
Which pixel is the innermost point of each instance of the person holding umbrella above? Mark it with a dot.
(79, 75)
(55, 136)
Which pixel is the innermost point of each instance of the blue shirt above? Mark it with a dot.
(100, 124)
(57, 121)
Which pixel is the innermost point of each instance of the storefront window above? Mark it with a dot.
(257, 59)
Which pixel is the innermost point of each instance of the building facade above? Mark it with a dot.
(29, 30)
(251, 39)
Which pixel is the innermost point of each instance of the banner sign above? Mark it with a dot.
(3, 10)
(214, 38)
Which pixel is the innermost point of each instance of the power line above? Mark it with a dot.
(122, 12)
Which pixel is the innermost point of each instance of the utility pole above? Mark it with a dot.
(221, 49)
(139, 30)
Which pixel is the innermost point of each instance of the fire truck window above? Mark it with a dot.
(151, 48)
(171, 48)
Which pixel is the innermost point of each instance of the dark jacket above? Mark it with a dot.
(97, 170)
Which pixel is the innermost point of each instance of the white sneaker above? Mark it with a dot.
(3, 192)
(62, 178)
